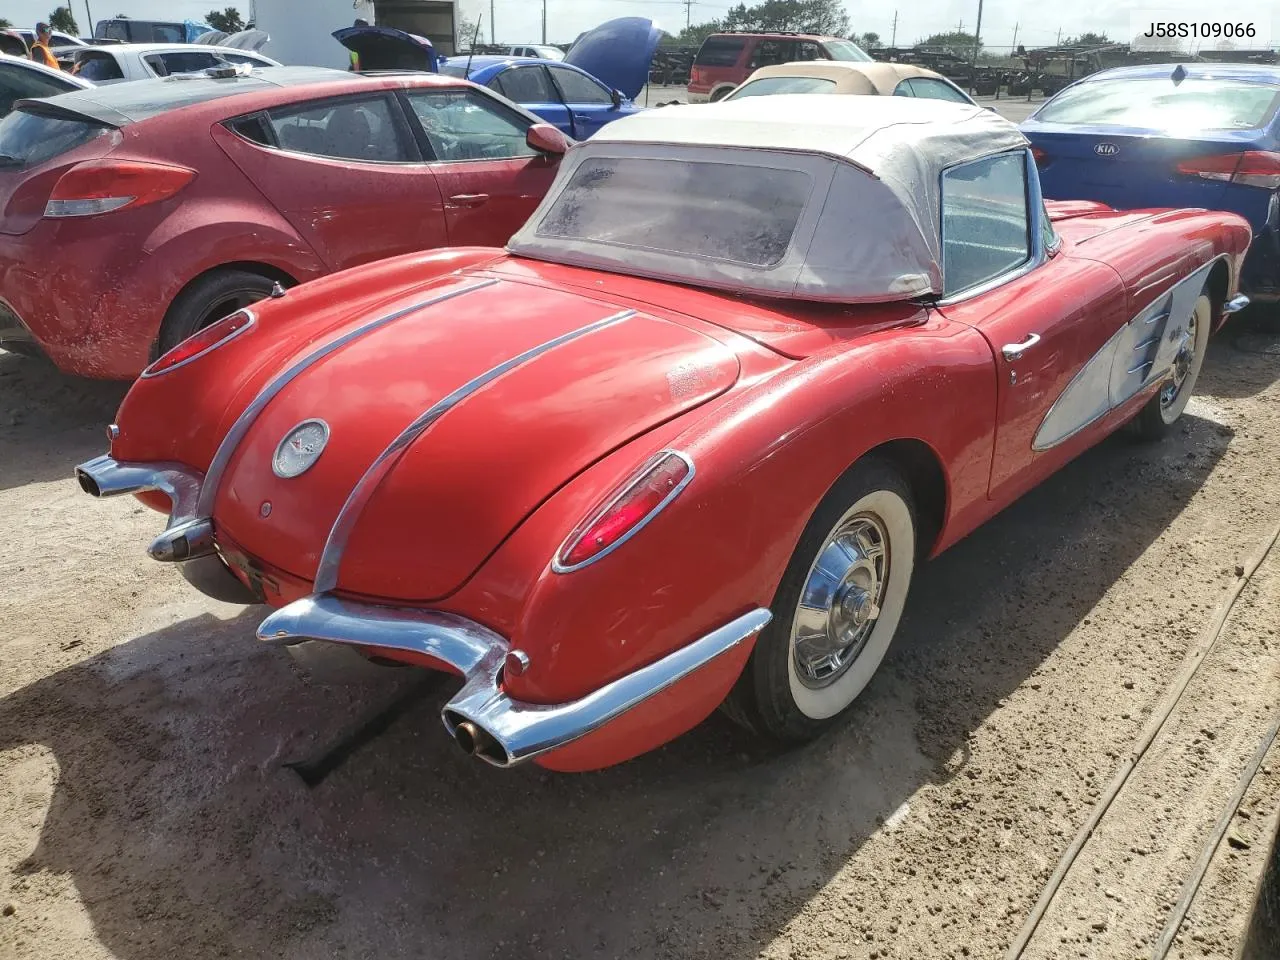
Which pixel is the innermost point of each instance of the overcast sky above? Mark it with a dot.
(1037, 22)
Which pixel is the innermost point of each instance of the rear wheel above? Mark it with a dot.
(836, 609)
(208, 299)
(1163, 410)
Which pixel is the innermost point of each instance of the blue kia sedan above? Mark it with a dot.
(596, 83)
(1174, 135)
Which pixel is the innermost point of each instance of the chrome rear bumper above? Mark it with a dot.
(1236, 304)
(187, 538)
(484, 720)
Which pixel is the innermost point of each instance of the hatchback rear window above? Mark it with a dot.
(30, 138)
(770, 85)
(718, 211)
(98, 67)
(720, 51)
(1157, 104)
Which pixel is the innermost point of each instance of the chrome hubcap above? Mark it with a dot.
(841, 600)
(1181, 365)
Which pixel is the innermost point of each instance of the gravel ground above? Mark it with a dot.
(146, 811)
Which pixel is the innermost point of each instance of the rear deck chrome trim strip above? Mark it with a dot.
(227, 449)
(335, 545)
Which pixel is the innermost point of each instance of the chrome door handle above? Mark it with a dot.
(1014, 351)
(469, 199)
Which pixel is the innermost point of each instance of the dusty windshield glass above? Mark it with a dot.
(771, 85)
(1156, 104)
(844, 50)
(719, 211)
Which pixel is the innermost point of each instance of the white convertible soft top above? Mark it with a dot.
(832, 198)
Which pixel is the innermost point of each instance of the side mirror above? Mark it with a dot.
(617, 99)
(545, 138)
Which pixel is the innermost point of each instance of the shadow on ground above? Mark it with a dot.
(1244, 356)
(185, 836)
(49, 422)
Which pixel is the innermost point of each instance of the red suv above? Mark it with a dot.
(726, 59)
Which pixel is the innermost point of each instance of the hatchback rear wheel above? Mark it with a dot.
(208, 299)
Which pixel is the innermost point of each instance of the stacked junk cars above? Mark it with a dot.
(617, 416)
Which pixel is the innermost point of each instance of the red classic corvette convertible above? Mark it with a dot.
(683, 443)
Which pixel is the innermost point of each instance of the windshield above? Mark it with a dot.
(770, 85)
(844, 50)
(1157, 104)
(718, 211)
(28, 138)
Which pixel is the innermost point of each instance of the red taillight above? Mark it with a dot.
(201, 342)
(626, 512)
(1039, 156)
(695, 76)
(1253, 168)
(100, 186)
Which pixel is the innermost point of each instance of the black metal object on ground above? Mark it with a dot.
(368, 725)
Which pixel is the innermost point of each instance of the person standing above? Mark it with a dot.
(40, 51)
(355, 57)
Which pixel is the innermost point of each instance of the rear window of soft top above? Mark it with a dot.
(720, 51)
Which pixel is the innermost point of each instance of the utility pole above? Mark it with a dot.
(893, 35)
(1059, 43)
(544, 21)
(1014, 48)
(688, 13)
(977, 42)
(89, 33)
(493, 36)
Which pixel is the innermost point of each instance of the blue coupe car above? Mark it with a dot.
(596, 83)
(1188, 135)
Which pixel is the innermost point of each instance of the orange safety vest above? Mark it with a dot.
(41, 54)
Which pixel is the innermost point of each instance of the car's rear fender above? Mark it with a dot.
(721, 547)
(183, 415)
(763, 459)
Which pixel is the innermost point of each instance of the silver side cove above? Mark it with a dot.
(487, 722)
(1138, 355)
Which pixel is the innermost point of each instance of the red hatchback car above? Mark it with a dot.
(135, 214)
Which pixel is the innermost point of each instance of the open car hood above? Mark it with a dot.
(251, 40)
(385, 48)
(618, 53)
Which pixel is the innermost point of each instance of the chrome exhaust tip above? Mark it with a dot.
(477, 742)
(87, 483)
(188, 541)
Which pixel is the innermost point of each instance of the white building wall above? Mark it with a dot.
(301, 30)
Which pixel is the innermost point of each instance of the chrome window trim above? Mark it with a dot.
(558, 566)
(227, 449)
(336, 543)
(149, 373)
(1035, 214)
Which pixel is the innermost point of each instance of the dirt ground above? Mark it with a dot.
(146, 811)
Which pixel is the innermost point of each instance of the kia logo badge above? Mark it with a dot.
(1105, 149)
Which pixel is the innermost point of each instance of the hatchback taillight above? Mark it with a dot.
(654, 486)
(201, 342)
(1253, 168)
(100, 186)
